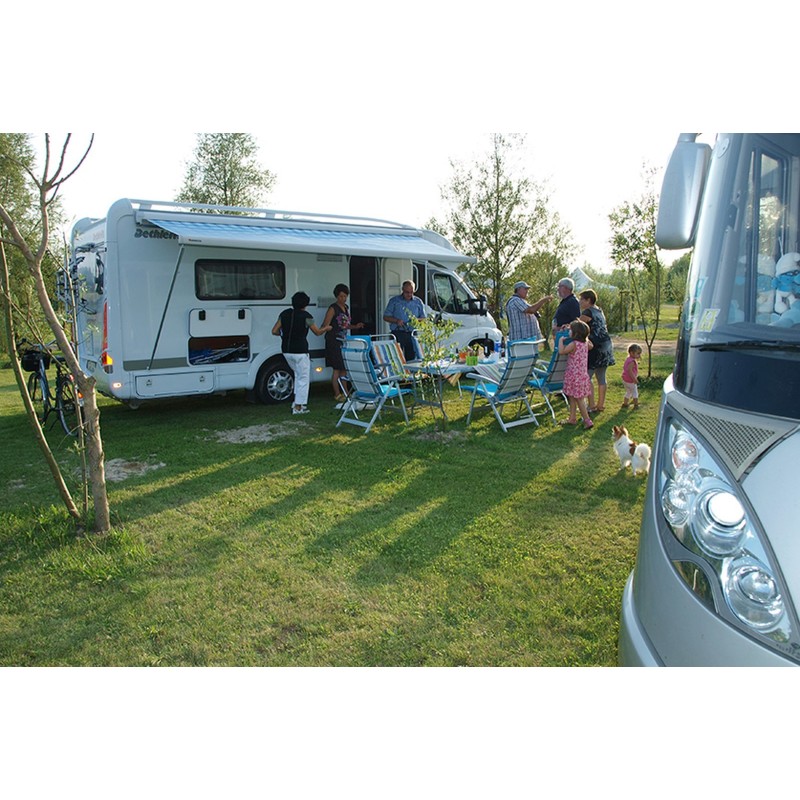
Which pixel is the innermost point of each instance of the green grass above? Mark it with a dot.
(323, 546)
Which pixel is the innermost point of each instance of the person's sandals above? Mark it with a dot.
(587, 423)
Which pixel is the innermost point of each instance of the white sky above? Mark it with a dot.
(396, 176)
(359, 112)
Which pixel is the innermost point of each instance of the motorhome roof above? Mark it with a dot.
(298, 232)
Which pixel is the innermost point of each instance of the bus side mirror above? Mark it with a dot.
(681, 192)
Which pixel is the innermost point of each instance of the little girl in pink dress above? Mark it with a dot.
(577, 384)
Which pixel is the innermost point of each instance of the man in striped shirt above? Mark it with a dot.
(523, 319)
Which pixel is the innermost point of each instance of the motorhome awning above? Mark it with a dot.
(379, 244)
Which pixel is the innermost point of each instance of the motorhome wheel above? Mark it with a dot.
(275, 382)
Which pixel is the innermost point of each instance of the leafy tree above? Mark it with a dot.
(677, 274)
(552, 251)
(225, 171)
(28, 233)
(493, 215)
(633, 248)
(17, 160)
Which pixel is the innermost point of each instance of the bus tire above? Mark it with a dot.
(275, 382)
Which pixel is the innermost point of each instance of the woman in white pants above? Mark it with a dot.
(292, 326)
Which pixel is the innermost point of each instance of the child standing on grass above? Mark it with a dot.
(577, 383)
(630, 376)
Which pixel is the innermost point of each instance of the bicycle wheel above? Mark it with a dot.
(39, 390)
(66, 402)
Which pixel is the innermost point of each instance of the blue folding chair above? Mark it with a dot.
(510, 388)
(367, 389)
(550, 380)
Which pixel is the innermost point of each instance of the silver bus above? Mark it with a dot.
(717, 574)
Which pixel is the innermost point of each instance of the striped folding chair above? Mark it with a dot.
(511, 387)
(550, 380)
(388, 356)
(368, 391)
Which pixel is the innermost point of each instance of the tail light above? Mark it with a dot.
(106, 361)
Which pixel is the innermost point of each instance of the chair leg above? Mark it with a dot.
(530, 410)
(375, 416)
(496, 408)
(550, 406)
(402, 405)
(471, 406)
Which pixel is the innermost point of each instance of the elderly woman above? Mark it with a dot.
(337, 318)
(601, 355)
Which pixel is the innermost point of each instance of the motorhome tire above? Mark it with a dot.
(275, 382)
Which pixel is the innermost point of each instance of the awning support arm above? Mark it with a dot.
(166, 306)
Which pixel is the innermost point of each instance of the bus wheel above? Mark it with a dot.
(275, 382)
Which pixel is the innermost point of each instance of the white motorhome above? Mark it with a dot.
(717, 575)
(179, 299)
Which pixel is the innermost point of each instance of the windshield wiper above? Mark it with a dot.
(743, 344)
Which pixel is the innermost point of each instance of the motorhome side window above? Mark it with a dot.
(231, 279)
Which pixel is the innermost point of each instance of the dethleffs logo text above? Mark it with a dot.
(153, 233)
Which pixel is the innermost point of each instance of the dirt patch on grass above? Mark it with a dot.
(660, 347)
(441, 436)
(118, 469)
(258, 433)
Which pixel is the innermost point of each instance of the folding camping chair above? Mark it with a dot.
(367, 389)
(388, 357)
(510, 388)
(550, 379)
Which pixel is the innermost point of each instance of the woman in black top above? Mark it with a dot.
(293, 326)
(601, 355)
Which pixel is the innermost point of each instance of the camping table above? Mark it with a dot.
(440, 371)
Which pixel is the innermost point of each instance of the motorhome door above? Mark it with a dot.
(364, 293)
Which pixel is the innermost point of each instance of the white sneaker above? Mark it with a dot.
(301, 410)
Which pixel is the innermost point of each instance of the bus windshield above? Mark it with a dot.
(740, 341)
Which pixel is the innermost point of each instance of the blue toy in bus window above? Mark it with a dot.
(786, 282)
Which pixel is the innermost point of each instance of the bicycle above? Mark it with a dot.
(36, 359)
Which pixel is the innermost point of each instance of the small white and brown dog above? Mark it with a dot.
(637, 454)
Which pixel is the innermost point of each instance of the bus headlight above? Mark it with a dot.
(706, 513)
(718, 522)
(753, 595)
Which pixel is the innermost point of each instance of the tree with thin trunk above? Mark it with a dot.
(33, 244)
(633, 247)
(225, 171)
(494, 212)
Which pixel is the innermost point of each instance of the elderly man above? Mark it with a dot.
(569, 309)
(523, 321)
(400, 313)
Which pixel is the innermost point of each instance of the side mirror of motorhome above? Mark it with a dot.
(681, 194)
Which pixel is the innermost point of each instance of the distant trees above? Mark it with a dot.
(633, 248)
(501, 217)
(18, 196)
(225, 171)
(677, 274)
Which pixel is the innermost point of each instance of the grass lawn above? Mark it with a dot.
(246, 536)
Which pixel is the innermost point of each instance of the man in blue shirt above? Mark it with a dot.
(569, 309)
(400, 313)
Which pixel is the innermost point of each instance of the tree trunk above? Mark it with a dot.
(96, 456)
(52, 464)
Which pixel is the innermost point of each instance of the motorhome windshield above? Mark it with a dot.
(740, 342)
